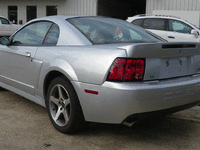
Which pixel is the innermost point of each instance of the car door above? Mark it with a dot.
(180, 31)
(18, 66)
(156, 25)
(6, 28)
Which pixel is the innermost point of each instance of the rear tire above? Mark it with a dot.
(63, 106)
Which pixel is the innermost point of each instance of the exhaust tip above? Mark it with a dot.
(129, 123)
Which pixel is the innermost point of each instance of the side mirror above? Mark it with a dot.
(195, 33)
(4, 41)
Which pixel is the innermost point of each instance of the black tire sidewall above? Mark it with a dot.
(75, 108)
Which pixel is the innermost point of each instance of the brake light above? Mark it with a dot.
(124, 69)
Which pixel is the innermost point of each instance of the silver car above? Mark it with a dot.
(98, 69)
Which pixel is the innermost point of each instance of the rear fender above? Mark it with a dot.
(58, 65)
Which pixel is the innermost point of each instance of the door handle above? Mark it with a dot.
(171, 37)
(28, 54)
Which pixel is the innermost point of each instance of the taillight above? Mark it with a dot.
(125, 69)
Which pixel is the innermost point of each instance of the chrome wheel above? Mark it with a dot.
(60, 105)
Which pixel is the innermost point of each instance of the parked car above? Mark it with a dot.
(171, 29)
(7, 28)
(98, 69)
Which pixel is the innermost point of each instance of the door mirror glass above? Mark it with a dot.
(4, 41)
(194, 32)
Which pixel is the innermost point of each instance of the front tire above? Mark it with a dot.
(63, 106)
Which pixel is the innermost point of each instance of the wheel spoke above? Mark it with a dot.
(66, 116)
(67, 102)
(60, 92)
(60, 105)
(54, 100)
(58, 113)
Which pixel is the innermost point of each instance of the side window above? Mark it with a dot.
(52, 36)
(4, 21)
(137, 22)
(32, 34)
(178, 26)
(155, 24)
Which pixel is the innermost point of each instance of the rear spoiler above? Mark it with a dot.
(162, 50)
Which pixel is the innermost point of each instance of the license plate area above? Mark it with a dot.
(162, 68)
(173, 67)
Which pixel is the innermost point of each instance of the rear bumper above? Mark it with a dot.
(159, 113)
(117, 101)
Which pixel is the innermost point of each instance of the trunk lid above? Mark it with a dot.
(166, 60)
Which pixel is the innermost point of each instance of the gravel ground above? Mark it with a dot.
(25, 126)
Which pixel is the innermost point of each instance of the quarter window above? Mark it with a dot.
(32, 34)
(52, 36)
(155, 24)
(177, 26)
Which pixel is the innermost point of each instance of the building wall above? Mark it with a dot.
(183, 5)
(64, 7)
(81, 7)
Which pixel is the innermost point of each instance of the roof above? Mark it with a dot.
(130, 19)
(56, 18)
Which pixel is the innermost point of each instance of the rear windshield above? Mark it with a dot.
(100, 30)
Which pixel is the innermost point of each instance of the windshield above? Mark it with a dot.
(100, 30)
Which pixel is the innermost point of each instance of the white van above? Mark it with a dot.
(171, 29)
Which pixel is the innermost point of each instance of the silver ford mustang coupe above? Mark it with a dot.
(98, 69)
